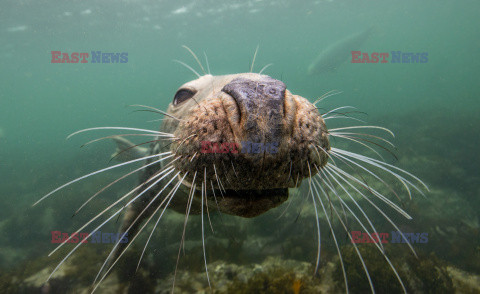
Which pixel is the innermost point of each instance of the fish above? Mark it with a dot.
(333, 56)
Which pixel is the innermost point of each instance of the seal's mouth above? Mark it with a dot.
(250, 203)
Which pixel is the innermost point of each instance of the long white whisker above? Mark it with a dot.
(137, 234)
(119, 179)
(316, 218)
(333, 234)
(339, 171)
(381, 165)
(187, 213)
(375, 192)
(196, 58)
(358, 142)
(374, 230)
(206, 61)
(253, 61)
(188, 66)
(363, 127)
(384, 163)
(354, 245)
(362, 134)
(326, 95)
(127, 135)
(203, 238)
(119, 128)
(156, 110)
(115, 203)
(331, 174)
(172, 193)
(334, 116)
(97, 228)
(264, 68)
(206, 200)
(338, 108)
(97, 172)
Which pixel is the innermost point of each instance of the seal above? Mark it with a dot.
(229, 110)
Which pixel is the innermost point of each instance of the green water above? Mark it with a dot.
(432, 107)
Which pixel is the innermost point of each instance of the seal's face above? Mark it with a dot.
(247, 137)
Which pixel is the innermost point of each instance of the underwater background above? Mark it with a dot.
(431, 107)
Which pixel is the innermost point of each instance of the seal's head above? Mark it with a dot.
(246, 136)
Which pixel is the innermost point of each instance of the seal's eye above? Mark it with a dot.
(182, 95)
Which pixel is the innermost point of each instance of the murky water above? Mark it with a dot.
(431, 106)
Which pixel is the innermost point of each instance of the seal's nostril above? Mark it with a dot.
(261, 105)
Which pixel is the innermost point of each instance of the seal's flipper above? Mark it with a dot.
(127, 150)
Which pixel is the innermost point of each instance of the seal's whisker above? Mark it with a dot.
(214, 196)
(326, 95)
(127, 135)
(351, 239)
(220, 185)
(338, 108)
(339, 171)
(264, 68)
(254, 57)
(169, 197)
(206, 201)
(375, 192)
(355, 139)
(364, 184)
(363, 134)
(98, 227)
(183, 141)
(98, 172)
(203, 236)
(117, 128)
(345, 113)
(119, 179)
(363, 127)
(234, 171)
(188, 66)
(115, 203)
(331, 230)
(332, 188)
(316, 219)
(383, 165)
(304, 200)
(401, 179)
(343, 117)
(187, 213)
(358, 139)
(334, 176)
(196, 58)
(379, 245)
(206, 61)
(156, 110)
(133, 146)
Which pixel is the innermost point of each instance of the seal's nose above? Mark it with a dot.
(261, 106)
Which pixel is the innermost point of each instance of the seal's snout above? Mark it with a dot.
(261, 105)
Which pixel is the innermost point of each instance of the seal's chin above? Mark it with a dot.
(250, 203)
